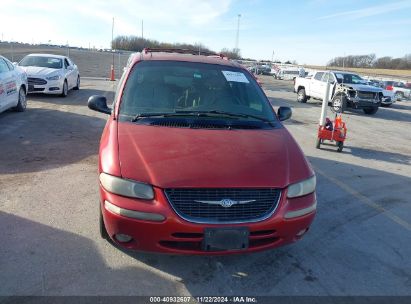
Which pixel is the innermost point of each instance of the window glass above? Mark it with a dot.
(319, 75)
(42, 61)
(10, 65)
(3, 66)
(170, 86)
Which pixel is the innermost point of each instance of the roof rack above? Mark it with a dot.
(182, 51)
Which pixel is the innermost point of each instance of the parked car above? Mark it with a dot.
(348, 90)
(50, 74)
(288, 74)
(399, 89)
(260, 69)
(194, 160)
(13, 86)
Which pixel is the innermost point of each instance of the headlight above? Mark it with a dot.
(302, 188)
(126, 187)
(57, 77)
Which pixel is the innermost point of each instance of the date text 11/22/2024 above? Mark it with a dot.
(203, 299)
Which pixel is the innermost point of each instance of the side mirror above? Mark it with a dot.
(15, 63)
(70, 68)
(99, 104)
(284, 113)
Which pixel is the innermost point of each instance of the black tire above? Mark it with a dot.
(77, 87)
(22, 103)
(386, 105)
(103, 230)
(318, 143)
(370, 111)
(301, 97)
(340, 145)
(64, 92)
(398, 96)
(339, 103)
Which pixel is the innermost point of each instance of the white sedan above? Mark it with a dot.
(50, 74)
(13, 86)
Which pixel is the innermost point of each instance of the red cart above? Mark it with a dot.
(334, 132)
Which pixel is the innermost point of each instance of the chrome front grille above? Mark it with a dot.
(36, 81)
(211, 205)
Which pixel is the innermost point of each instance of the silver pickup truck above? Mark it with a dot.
(347, 90)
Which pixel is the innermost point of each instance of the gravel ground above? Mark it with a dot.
(359, 243)
(90, 63)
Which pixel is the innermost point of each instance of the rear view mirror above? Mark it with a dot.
(99, 104)
(284, 113)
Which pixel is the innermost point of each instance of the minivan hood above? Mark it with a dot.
(38, 71)
(201, 158)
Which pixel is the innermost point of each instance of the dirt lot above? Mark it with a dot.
(359, 244)
(90, 63)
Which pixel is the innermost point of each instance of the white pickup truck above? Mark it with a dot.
(347, 90)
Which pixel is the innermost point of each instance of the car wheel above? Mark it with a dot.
(301, 97)
(398, 96)
(370, 111)
(318, 143)
(103, 230)
(386, 105)
(77, 87)
(22, 103)
(340, 145)
(339, 104)
(64, 92)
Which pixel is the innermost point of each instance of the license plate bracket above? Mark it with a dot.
(222, 239)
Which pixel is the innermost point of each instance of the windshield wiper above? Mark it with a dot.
(144, 115)
(204, 113)
(199, 114)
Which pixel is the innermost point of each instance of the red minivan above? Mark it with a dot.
(194, 160)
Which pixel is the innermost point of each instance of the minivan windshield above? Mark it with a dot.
(42, 61)
(189, 87)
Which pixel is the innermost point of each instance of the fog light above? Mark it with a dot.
(302, 232)
(123, 238)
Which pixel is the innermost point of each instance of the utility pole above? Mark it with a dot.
(112, 40)
(142, 28)
(238, 34)
(272, 57)
(112, 77)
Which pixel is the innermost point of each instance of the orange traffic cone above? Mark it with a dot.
(112, 78)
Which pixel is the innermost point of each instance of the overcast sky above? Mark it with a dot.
(312, 31)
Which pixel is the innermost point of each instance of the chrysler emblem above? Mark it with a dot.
(226, 202)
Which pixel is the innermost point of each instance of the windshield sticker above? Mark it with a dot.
(235, 76)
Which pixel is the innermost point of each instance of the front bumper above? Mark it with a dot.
(358, 103)
(174, 235)
(51, 87)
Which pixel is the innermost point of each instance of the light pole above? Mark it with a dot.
(238, 34)
(112, 39)
(112, 77)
